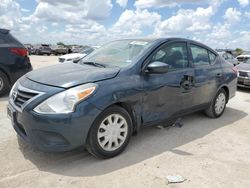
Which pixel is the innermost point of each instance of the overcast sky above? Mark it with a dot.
(218, 23)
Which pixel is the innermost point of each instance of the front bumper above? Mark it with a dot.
(243, 82)
(60, 132)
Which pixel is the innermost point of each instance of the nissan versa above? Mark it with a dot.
(116, 90)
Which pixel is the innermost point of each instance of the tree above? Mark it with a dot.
(60, 43)
(239, 51)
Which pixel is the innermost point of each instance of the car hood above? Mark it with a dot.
(71, 74)
(243, 66)
(72, 56)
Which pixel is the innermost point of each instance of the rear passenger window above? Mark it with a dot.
(200, 56)
(212, 57)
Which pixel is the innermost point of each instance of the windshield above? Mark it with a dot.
(248, 61)
(87, 51)
(118, 53)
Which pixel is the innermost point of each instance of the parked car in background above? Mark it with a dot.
(73, 57)
(76, 49)
(244, 74)
(243, 57)
(14, 60)
(28, 47)
(117, 90)
(59, 50)
(229, 57)
(41, 49)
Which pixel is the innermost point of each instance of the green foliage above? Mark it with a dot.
(239, 51)
(60, 43)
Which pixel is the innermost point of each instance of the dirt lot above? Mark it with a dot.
(209, 153)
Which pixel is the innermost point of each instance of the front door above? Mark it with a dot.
(168, 93)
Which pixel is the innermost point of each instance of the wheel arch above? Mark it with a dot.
(135, 116)
(226, 89)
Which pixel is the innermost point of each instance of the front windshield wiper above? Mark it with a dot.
(94, 64)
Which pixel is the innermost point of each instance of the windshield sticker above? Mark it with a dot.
(141, 43)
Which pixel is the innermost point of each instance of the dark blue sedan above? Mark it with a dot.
(117, 90)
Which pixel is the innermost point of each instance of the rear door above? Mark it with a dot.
(208, 74)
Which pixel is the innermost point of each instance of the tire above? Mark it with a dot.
(4, 83)
(99, 145)
(213, 111)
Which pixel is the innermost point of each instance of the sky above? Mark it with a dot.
(217, 23)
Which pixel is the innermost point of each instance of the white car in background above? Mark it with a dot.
(244, 57)
(75, 56)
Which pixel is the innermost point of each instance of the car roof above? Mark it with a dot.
(172, 39)
(4, 31)
(190, 41)
(181, 39)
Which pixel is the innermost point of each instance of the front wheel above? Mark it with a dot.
(218, 105)
(110, 133)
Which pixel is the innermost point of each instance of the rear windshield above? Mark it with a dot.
(7, 38)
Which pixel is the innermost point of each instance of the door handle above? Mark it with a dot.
(187, 82)
(219, 75)
(186, 85)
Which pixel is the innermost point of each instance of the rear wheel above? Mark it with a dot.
(218, 105)
(110, 133)
(4, 83)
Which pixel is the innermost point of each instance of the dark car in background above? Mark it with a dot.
(243, 57)
(244, 74)
(41, 49)
(14, 60)
(117, 90)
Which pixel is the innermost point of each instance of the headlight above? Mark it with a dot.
(65, 102)
(12, 89)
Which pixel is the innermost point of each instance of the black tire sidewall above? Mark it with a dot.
(6, 84)
(93, 144)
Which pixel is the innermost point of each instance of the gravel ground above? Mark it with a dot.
(208, 152)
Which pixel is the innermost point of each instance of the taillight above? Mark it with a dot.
(19, 51)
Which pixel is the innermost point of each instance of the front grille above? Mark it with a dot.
(243, 74)
(20, 97)
(240, 59)
(61, 60)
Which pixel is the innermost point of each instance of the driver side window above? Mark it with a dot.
(174, 54)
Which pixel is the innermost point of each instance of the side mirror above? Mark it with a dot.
(157, 67)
